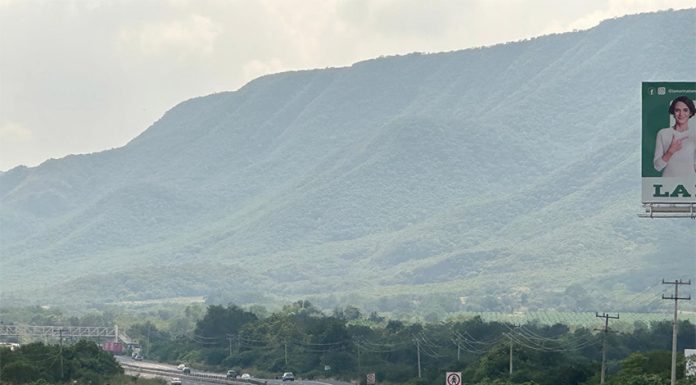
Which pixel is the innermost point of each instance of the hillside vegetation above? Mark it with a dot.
(502, 178)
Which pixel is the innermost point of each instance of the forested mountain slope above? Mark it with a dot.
(489, 178)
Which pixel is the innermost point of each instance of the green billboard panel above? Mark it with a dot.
(669, 142)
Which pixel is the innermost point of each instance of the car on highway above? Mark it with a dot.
(231, 374)
(181, 366)
(186, 370)
(288, 376)
(138, 357)
(245, 376)
(175, 381)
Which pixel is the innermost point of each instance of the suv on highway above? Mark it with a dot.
(288, 376)
(231, 374)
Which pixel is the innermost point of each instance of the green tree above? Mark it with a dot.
(351, 313)
(19, 372)
(83, 361)
(220, 322)
(641, 379)
(653, 362)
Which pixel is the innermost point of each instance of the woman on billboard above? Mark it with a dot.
(675, 147)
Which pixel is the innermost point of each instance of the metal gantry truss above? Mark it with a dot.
(57, 332)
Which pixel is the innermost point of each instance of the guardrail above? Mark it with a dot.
(214, 378)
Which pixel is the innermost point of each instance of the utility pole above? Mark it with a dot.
(675, 323)
(418, 350)
(510, 355)
(604, 344)
(147, 355)
(60, 332)
(359, 369)
(229, 339)
(286, 353)
(510, 338)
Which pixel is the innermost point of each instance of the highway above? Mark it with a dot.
(165, 371)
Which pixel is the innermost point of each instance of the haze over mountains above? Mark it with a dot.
(498, 178)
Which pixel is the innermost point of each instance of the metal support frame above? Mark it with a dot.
(59, 332)
(56, 331)
(669, 210)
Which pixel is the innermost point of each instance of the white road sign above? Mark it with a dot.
(371, 380)
(453, 378)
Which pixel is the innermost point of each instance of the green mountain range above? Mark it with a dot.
(499, 178)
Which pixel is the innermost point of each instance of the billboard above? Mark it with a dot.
(669, 142)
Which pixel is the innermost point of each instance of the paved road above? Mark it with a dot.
(213, 378)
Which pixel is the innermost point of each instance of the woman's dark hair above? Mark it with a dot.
(684, 99)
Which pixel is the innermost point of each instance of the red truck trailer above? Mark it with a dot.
(112, 347)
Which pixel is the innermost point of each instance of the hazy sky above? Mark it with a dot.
(80, 76)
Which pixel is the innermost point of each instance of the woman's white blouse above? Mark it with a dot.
(683, 162)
